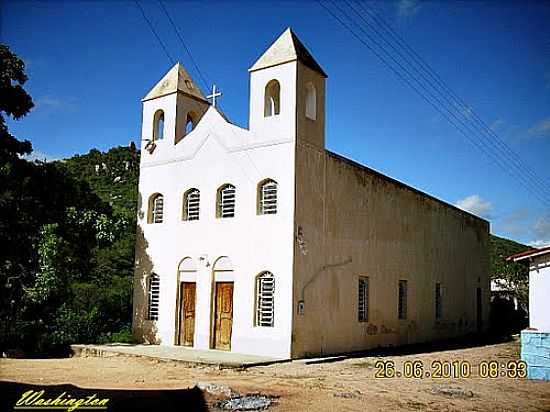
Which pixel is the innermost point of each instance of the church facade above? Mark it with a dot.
(261, 241)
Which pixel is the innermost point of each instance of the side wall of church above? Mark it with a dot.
(352, 222)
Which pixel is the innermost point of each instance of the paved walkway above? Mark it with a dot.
(177, 353)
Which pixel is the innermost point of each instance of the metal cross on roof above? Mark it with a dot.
(214, 95)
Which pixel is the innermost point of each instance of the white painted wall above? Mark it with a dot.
(215, 153)
(150, 107)
(283, 125)
(539, 293)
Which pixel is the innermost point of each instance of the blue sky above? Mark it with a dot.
(90, 63)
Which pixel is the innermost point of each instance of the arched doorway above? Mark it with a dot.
(186, 302)
(222, 307)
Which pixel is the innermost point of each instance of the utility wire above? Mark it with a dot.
(182, 41)
(466, 114)
(502, 145)
(527, 176)
(408, 79)
(155, 32)
(180, 37)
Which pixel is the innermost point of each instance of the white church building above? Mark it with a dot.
(260, 241)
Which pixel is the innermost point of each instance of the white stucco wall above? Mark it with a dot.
(282, 126)
(216, 153)
(539, 293)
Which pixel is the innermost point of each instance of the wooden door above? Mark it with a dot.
(187, 313)
(223, 321)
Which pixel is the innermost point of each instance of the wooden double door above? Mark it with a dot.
(223, 314)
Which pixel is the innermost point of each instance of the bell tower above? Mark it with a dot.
(287, 93)
(171, 109)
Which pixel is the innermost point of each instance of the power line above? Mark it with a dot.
(403, 78)
(428, 96)
(182, 41)
(467, 113)
(180, 37)
(155, 32)
(435, 76)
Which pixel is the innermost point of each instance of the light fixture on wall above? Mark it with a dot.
(150, 146)
(204, 258)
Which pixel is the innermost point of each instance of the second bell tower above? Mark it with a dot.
(287, 93)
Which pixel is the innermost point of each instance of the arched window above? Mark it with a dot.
(153, 291)
(311, 101)
(156, 208)
(190, 122)
(272, 101)
(265, 299)
(191, 204)
(226, 201)
(267, 197)
(158, 125)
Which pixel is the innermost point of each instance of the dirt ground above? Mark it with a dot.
(343, 385)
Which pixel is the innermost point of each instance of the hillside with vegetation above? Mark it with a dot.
(113, 177)
(515, 274)
(501, 248)
(78, 226)
(66, 237)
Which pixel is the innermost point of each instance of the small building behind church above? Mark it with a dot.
(261, 241)
(535, 340)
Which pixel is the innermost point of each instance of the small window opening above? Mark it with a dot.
(156, 208)
(438, 302)
(272, 98)
(267, 197)
(226, 201)
(153, 292)
(158, 125)
(363, 299)
(311, 101)
(191, 204)
(265, 299)
(402, 300)
(190, 122)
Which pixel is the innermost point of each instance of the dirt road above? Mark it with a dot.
(345, 385)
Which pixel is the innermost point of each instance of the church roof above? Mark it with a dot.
(285, 49)
(176, 80)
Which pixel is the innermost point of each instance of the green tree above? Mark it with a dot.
(515, 274)
(64, 305)
(14, 102)
(52, 229)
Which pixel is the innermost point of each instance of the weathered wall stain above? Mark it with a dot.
(390, 232)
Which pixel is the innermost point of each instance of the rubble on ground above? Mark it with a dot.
(251, 402)
(454, 392)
